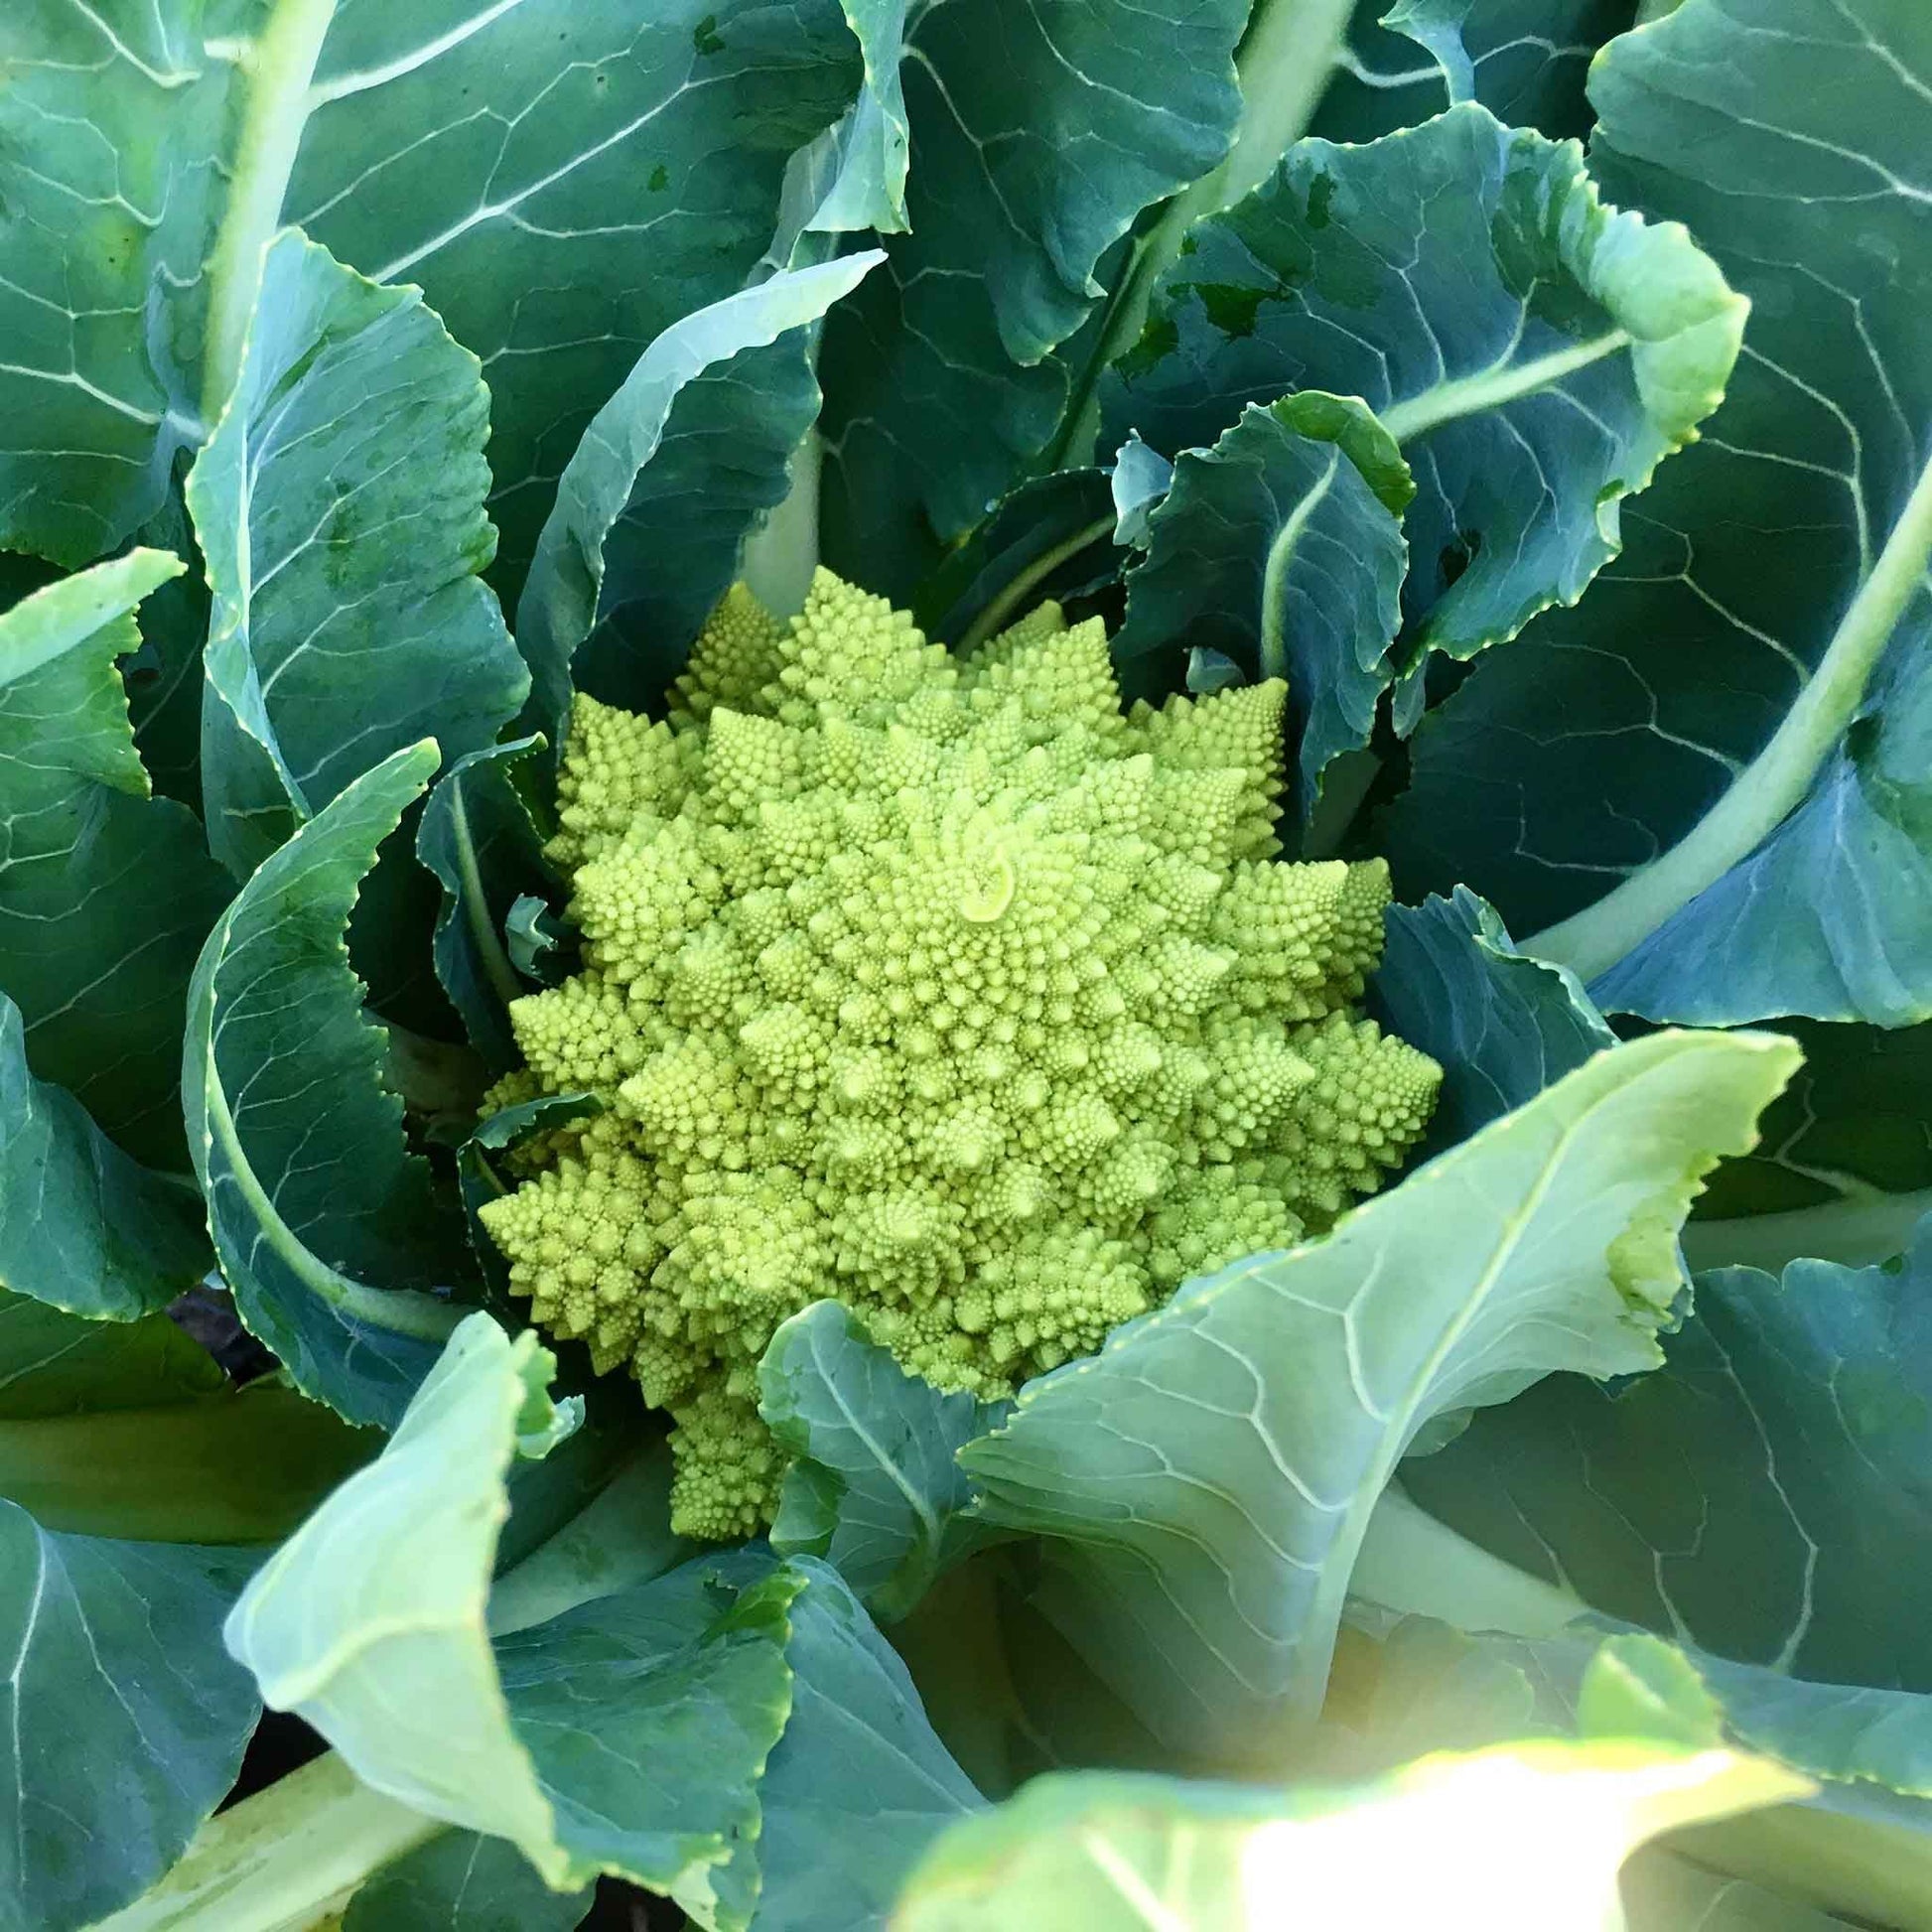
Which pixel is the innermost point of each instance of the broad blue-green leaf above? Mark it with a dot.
(81, 1225)
(858, 1785)
(477, 837)
(561, 177)
(1053, 537)
(1535, 353)
(872, 1488)
(654, 508)
(1446, 1841)
(594, 172)
(1501, 1027)
(1524, 59)
(1281, 548)
(326, 1227)
(116, 128)
(1038, 135)
(461, 1882)
(1753, 1495)
(1729, 732)
(129, 1428)
(106, 893)
(121, 1720)
(339, 508)
(1207, 1477)
(1845, 1170)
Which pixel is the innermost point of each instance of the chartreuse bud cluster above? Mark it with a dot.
(940, 987)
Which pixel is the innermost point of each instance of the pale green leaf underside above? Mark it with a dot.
(1516, 1837)
(1207, 1477)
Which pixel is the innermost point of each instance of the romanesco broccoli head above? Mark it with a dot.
(940, 987)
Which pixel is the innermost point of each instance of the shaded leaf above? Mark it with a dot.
(326, 1227)
(104, 892)
(1051, 537)
(1752, 1496)
(477, 837)
(1501, 1027)
(1526, 60)
(672, 471)
(1731, 727)
(563, 179)
(1281, 549)
(1038, 136)
(81, 1226)
(858, 1785)
(460, 1881)
(1845, 1171)
(128, 1428)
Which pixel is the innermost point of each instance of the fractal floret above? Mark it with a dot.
(938, 986)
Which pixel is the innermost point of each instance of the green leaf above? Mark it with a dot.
(1525, 60)
(872, 1488)
(326, 1225)
(1036, 140)
(1517, 1837)
(81, 1226)
(1663, 1893)
(463, 1882)
(479, 1182)
(1501, 1027)
(1535, 353)
(1281, 547)
(858, 1785)
(92, 225)
(1752, 1496)
(1730, 730)
(1208, 1476)
(677, 465)
(561, 177)
(1846, 1168)
(872, 145)
(123, 1720)
(338, 506)
(1051, 537)
(130, 1429)
(477, 837)
(104, 892)
(624, 1735)
(386, 1585)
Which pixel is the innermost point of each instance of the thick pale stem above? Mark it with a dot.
(1857, 1232)
(283, 1860)
(1285, 62)
(783, 552)
(1475, 395)
(277, 67)
(1774, 784)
